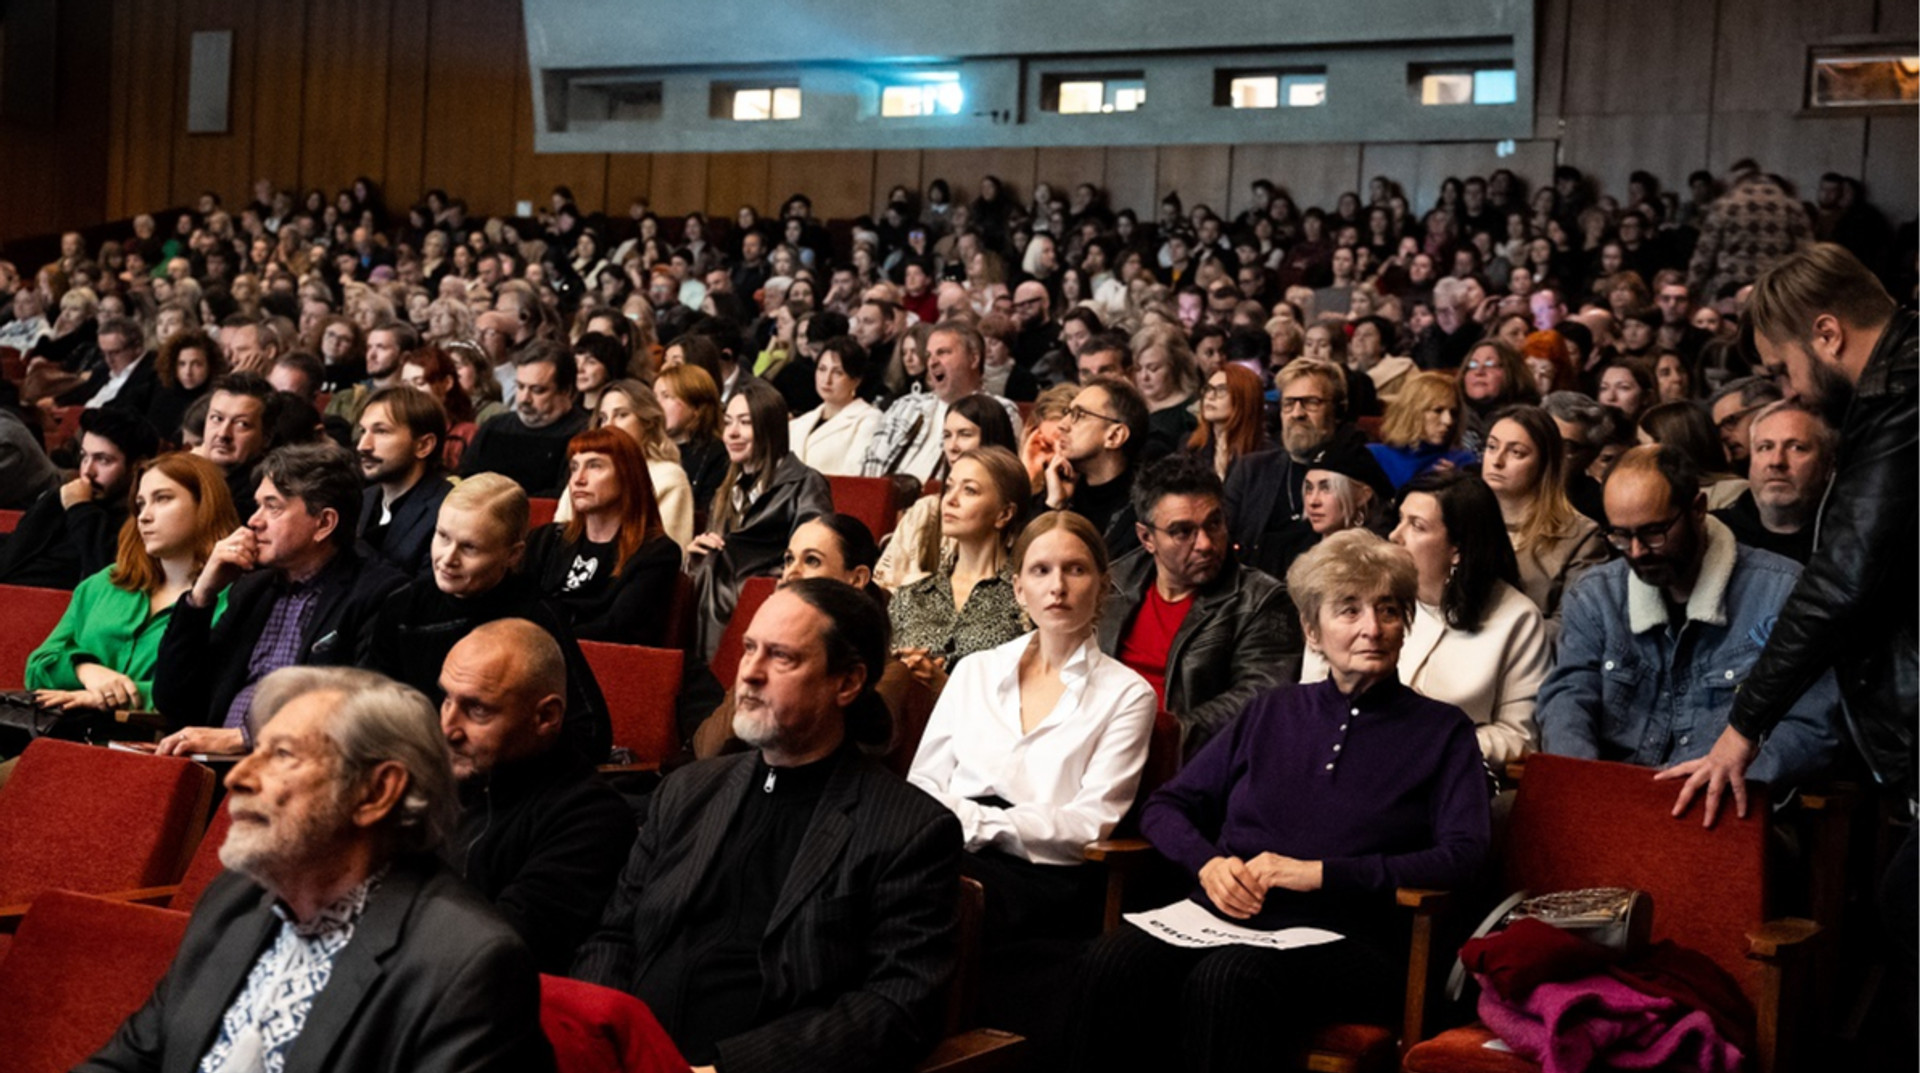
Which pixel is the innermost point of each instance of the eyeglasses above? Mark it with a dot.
(1215, 525)
(1651, 537)
(1214, 391)
(1731, 422)
(1077, 413)
(1490, 363)
(1308, 403)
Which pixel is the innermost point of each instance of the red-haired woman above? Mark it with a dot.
(1232, 417)
(611, 567)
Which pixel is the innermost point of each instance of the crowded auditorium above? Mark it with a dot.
(607, 536)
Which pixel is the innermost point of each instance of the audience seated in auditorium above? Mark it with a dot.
(1625, 687)
(833, 439)
(1264, 489)
(1793, 452)
(103, 653)
(1232, 418)
(793, 905)
(1094, 463)
(399, 451)
(908, 440)
(125, 378)
(241, 415)
(964, 601)
(539, 836)
(188, 364)
(1205, 631)
(529, 444)
(296, 593)
(1554, 543)
(611, 568)
(1732, 408)
(73, 531)
(633, 408)
(766, 494)
(1421, 430)
(479, 541)
(338, 817)
(1362, 786)
(690, 401)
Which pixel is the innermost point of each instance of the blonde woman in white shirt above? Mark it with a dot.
(1037, 744)
(1477, 641)
(833, 436)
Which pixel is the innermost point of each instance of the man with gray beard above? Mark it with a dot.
(1265, 502)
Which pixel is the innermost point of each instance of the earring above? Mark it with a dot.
(1452, 569)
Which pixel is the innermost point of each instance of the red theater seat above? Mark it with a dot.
(869, 499)
(31, 614)
(596, 1029)
(726, 658)
(540, 512)
(640, 686)
(10, 520)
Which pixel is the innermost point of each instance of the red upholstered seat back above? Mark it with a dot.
(540, 512)
(10, 520)
(30, 615)
(1585, 823)
(869, 499)
(640, 685)
(206, 866)
(79, 817)
(596, 1029)
(78, 966)
(726, 658)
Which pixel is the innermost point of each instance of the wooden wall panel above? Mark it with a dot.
(1132, 178)
(1641, 56)
(736, 179)
(344, 122)
(279, 92)
(120, 94)
(1762, 52)
(629, 175)
(1067, 167)
(409, 32)
(152, 122)
(1898, 20)
(679, 183)
(470, 97)
(1610, 147)
(840, 182)
(218, 162)
(1310, 174)
(895, 167)
(1893, 144)
(1199, 173)
(964, 168)
(1799, 148)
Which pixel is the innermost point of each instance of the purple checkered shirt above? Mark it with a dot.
(278, 646)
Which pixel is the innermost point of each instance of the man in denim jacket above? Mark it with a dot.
(1654, 645)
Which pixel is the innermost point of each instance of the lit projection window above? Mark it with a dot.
(1093, 94)
(1859, 79)
(937, 95)
(1304, 90)
(766, 102)
(1492, 85)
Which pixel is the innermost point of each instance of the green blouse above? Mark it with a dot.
(108, 625)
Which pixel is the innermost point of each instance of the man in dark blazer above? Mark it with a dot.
(73, 531)
(402, 433)
(793, 907)
(296, 594)
(1205, 631)
(127, 368)
(338, 940)
(1265, 503)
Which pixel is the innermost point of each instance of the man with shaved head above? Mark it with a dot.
(540, 836)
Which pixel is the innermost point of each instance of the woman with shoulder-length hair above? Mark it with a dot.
(1168, 377)
(631, 407)
(1493, 377)
(1232, 417)
(972, 423)
(1476, 641)
(611, 567)
(766, 493)
(1687, 427)
(1421, 431)
(1309, 811)
(188, 365)
(101, 654)
(1037, 742)
(1525, 465)
(689, 396)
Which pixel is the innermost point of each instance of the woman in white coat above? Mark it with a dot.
(832, 437)
(1477, 641)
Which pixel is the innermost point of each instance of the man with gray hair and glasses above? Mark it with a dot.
(337, 939)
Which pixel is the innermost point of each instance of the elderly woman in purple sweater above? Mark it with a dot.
(1310, 810)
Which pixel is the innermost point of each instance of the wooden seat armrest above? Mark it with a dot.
(628, 769)
(1118, 849)
(979, 1050)
(1420, 900)
(1831, 797)
(1783, 939)
(10, 917)
(156, 896)
(1426, 905)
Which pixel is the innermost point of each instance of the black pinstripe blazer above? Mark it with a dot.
(861, 942)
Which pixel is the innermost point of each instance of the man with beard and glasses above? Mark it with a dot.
(401, 434)
(1823, 322)
(792, 907)
(387, 347)
(1266, 505)
(1206, 632)
(337, 939)
(529, 444)
(1654, 644)
(74, 530)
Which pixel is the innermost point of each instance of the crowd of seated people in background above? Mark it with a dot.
(1520, 471)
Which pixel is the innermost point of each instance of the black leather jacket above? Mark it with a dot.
(1856, 605)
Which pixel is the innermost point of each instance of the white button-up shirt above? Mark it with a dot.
(1070, 779)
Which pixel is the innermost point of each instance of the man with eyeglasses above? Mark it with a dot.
(1654, 644)
(126, 380)
(1206, 632)
(1092, 467)
(1265, 503)
(1732, 408)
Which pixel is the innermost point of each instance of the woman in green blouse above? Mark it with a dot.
(966, 605)
(101, 655)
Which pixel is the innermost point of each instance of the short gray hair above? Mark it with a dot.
(1351, 561)
(377, 720)
(1577, 409)
(1824, 434)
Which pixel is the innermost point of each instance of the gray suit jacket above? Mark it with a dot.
(433, 980)
(861, 941)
